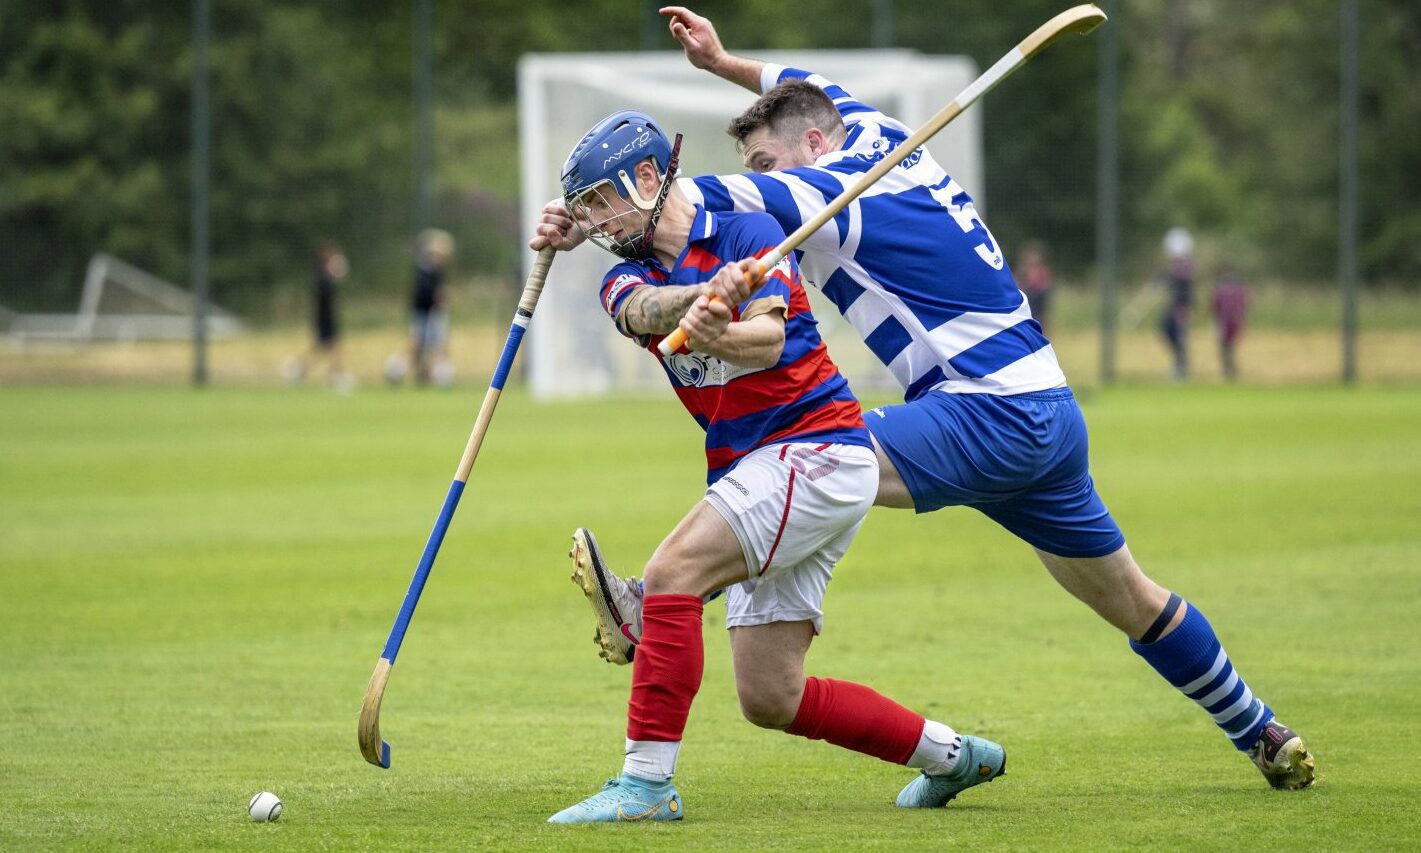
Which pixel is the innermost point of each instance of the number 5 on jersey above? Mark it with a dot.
(968, 220)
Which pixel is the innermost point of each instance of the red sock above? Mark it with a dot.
(666, 672)
(856, 717)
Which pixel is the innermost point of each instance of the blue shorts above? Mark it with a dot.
(1021, 460)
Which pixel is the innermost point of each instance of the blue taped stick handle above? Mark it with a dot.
(510, 350)
(421, 572)
(526, 305)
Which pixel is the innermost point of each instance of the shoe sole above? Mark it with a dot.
(611, 647)
(1301, 767)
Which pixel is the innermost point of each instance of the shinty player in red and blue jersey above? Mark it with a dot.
(792, 473)
(801, 397)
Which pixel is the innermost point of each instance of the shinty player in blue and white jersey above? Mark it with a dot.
(988, 420)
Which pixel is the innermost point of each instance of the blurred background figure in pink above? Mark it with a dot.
(1230, 306)
(1034, 275)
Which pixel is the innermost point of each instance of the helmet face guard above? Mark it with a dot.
(604, 215)
(600, 188)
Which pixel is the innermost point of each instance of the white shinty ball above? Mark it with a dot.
(264, 807)
(396, 366)
(442, 374)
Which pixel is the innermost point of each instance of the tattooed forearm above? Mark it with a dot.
(657, 310)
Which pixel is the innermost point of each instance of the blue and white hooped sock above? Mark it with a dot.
(1191, 658)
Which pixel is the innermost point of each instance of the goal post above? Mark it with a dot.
(120, 302)
(573, 350)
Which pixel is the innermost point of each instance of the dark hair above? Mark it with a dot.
(790, 108)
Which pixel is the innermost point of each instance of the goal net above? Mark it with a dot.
(573, 350)
(120, 302)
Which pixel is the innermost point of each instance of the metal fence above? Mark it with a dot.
(1276, 134)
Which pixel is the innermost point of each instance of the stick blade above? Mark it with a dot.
(375, 750)
(1077, 20)
(1090, 17)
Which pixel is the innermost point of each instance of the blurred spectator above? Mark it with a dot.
(1035, 277)
(1179, 299)
(331, 268)
(429, 317)
(1230, 306)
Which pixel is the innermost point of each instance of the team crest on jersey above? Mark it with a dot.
(698, 369)
(880, 150)
(881, 147)
(783, 268)
(621, 283)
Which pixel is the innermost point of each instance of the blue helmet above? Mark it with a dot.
(609, 150)
(602, 166)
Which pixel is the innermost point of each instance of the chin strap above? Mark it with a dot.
(641, 247)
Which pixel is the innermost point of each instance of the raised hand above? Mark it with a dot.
(697, 35)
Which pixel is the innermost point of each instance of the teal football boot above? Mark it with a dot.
(626, 798)
(980, 761)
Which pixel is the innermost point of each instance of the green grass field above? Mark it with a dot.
(196, 587)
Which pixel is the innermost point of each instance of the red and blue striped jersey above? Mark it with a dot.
(802, 398)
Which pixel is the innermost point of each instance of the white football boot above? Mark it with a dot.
(1283, 758)
(615, 602)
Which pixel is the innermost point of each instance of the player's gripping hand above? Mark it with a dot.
(555, 228)
(705, 321)
(734, 283)
(696, 35)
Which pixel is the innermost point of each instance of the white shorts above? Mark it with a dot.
(429, 329)
(795, 508)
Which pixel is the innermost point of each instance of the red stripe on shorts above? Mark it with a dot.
(789, 496)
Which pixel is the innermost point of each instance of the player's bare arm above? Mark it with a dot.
(657, 310)
(757, 342)
(703, 49)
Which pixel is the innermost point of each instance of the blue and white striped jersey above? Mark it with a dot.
(909, 263)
